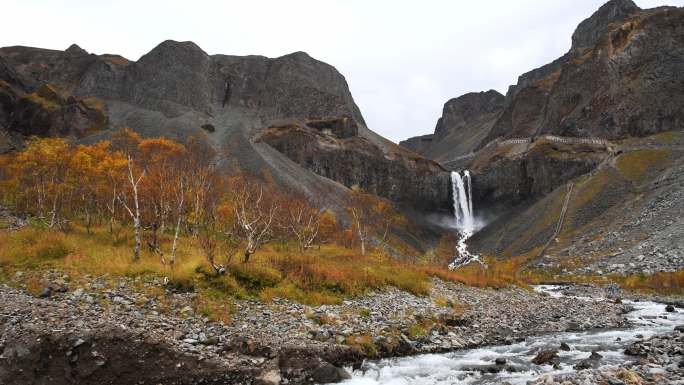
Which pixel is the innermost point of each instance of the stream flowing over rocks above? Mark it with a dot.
(649, 351)
(114, 330)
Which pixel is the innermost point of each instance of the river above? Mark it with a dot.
(460, 367)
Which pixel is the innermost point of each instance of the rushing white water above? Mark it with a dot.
(464, 217)
(463, 203)
(648, 318)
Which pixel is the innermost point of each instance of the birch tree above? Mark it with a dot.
(255, 212)
(372, 218)
(301, 220)
(129, 197)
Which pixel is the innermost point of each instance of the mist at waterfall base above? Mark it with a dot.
(464, 220)
(464, 217)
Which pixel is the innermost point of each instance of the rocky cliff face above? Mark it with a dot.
(28, 109)
(354, 161)
(619, 79)
(178, 90)
(618, 82)
(465, 121)
(517, 175)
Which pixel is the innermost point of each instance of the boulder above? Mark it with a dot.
(327, 374)
(546, 357)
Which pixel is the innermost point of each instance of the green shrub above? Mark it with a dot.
(255, 276)
(56, 250)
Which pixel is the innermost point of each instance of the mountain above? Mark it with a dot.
(620, 78)
(464, 123)
(291, 117)
(579, 167)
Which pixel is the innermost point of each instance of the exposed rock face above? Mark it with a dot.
(355, 161)
(419, 144)
(590, 31)
(43, 110)
(178, 90)
(465, 121)
(619, 79)
(506, 178)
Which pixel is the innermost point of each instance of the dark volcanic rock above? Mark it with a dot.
(589, 363)
(45, 112)
(420, 144)
(619, 79)
(178, 90)
(104, 357)
(501, 179)
(465, 121)
(459, 113)
(592, 29)
(355, 161)
(545, 357)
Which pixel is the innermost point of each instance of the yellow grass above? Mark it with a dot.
(658, 283)
(320, 276)
(498, 273)
(633, 165)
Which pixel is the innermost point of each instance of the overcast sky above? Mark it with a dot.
(402, 59)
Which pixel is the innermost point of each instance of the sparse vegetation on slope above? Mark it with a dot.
(634, 164)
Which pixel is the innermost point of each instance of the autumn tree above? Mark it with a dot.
(219, 238)
(372, 218)
(39, 175)
(359, 208)
(166, 186)
(96, 170)
(255, 211)
(204, 182)
(127, 142)
(328, 228)
(300, 220)
(384, 216)
(115, 167)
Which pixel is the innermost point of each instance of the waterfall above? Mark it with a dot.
(462, 191)
(463, 204)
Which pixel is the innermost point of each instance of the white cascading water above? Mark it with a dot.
(462, 192)
(461, 366)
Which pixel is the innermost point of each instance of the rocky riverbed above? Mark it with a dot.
(657, 361)
(646, 352)
(90, 330)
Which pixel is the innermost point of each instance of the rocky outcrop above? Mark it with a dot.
(28, 109)
(619, 79)
(178, 90)
(465, 121)
(590, 31)
(419, 144)
(45, 112)
(355, 161)
(517, 174)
